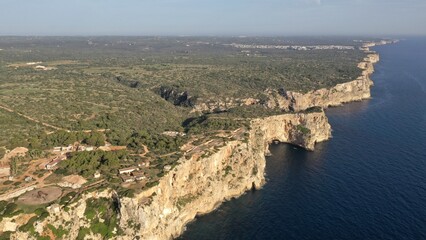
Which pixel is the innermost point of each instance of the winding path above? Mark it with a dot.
(47, 124)
(31, 119)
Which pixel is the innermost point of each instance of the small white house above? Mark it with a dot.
(127, 170)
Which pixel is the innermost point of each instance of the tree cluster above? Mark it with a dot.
(206, 123)
(156, 143)
(87, 163)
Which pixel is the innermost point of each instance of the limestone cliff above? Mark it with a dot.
(198, 184)
(355, 90)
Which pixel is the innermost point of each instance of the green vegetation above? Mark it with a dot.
(87, 163)
(64, 138)
(123, 192)
(65, 199)
(208, 123)
(95, 139)
(157, 143)
(41, 213)
(29, 226)
(43, 238)
(112, 82)
(228, 170)
(313, 110)
(2, 152)
(14, 129)
(152, 184)
(58, 232)
(101, 208)
(303, 129)
(9, 209)
(14, 165)
(5, 236)
(183, 201)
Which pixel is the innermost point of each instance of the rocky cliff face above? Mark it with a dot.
(301, 129)
(177, 96)
(355, 90)
(198, 184)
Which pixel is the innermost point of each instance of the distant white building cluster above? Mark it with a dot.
(291, 47)
(173, 133)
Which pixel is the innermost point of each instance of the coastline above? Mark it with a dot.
(260, 127)
(199, 185)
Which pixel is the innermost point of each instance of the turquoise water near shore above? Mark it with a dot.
(367, 182)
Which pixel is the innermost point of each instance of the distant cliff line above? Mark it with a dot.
(355, 90)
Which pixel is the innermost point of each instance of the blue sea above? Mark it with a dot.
(367, 182)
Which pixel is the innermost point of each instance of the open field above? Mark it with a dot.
(40, 196)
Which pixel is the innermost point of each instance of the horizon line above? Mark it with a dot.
(215, 35)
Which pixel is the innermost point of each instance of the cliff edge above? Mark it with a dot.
(355, 90)
(198, 184)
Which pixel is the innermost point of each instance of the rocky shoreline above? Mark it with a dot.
(199, 184)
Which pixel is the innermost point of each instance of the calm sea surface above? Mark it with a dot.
(367, 182)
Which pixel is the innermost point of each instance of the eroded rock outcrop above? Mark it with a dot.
(177, 96)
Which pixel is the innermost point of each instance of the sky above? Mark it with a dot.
(213, 17)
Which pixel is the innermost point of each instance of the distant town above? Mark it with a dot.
(291, 47)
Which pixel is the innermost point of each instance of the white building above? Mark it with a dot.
(127, 170)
